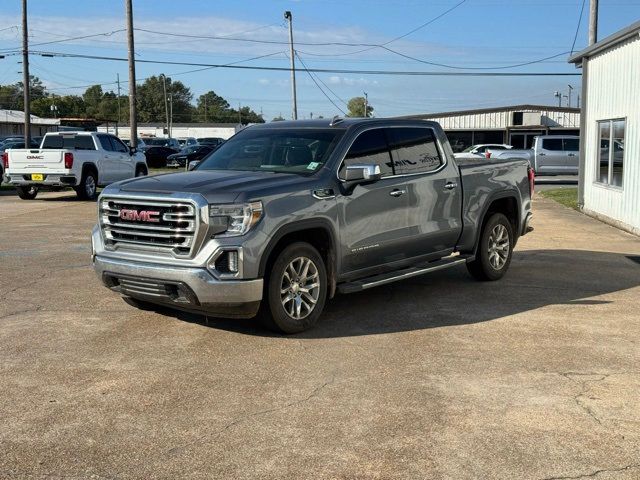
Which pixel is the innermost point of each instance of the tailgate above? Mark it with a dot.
(35, 159)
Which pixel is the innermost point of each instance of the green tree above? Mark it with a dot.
(151, 100)
(356, 107)
(211, 107)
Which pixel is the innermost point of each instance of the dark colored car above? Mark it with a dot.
(8, 145)
(215, 141)
(189, 154)
(157, 156)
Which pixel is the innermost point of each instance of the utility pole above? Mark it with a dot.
(239, 113)
(26, 84)
(578, 103)
(569, 96)
(558, 95)
(166, 106)
(133, 120)
(205, 108)
(118, 122)
(593, 22)
(170, 114)
(366, 104)
(292, 53)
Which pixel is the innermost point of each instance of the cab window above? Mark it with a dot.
(369, 148)
(413, 150)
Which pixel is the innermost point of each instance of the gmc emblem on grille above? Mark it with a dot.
(139, 215)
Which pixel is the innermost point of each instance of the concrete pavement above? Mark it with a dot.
(536, 376)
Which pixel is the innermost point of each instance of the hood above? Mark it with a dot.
(216, 186)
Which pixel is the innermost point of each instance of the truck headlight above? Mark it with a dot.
(234, 220)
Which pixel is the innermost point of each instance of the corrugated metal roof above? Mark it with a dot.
(17, 116)
(618, 37)
(507, 108)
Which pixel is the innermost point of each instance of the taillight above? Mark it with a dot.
(532, 179)
(5, 160)
(68, 160)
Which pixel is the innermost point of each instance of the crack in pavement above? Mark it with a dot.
(43, 276)
(596, 473)
(249, 416)
(579, 398)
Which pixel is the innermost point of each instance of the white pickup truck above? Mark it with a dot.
(80, 160)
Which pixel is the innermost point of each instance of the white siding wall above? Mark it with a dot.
(502, 120)
(177, 132)
(613, 91)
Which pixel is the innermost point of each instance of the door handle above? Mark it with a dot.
(397, 193)
(571, 155)
(542, 154)
(451, 185)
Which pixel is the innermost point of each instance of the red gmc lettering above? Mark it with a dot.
(140, 216)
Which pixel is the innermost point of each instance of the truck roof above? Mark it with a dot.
(338, 122)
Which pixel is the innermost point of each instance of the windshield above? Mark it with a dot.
(468, 149)
(188, 150)
(300, 150)
(79, 142)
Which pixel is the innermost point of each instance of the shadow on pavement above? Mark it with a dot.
(537, 278)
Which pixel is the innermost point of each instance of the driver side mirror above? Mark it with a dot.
(360, 173)
(192, 165)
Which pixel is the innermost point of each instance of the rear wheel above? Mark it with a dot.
(28, 193)
(296, 290)
(88, 188)
(495, 249)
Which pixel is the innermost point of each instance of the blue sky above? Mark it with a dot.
(478, 33)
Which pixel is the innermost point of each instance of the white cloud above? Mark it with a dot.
(352, 81)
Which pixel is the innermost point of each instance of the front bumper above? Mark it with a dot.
(185, 288)
(50, 180)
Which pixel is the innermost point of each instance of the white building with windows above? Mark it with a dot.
(609, 181)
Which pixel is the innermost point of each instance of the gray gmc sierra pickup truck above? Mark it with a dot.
(284, 215)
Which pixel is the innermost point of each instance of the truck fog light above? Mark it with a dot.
(233, 261)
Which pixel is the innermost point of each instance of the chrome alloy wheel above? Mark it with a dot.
(300, 288)
(498, 246)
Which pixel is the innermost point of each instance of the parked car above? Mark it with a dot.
(285, 214)
(215, 141)
(17, 144)
(187, 141)
(550, 154)
(479, 151)
(163, 142)
(188, 154)
(157, 156)
(80, 160)
(141, 146)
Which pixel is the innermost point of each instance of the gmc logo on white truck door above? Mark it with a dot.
(139, 215)
(35, 157)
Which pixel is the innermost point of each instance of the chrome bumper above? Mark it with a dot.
(526, 228)
(51, 180)
(186, 288)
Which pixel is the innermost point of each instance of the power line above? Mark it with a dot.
(318, 85)
(575, 37)
(326, 86)
(316, 70)
(69, 39)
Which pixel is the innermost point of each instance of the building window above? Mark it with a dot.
(611, 137)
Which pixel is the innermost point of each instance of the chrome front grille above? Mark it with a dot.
(168, 226)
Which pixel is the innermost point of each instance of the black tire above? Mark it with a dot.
(141, 171)
(88, 188)
(274, 315)
(494, 253)
(28, 193)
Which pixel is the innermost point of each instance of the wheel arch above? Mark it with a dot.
(317, 232)
(507, 203)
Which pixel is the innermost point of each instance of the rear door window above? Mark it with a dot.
(413, 150)
(553, 144)
(369, 148)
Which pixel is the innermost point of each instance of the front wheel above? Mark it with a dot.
(494, 249)
(296, 290)
(28, 193)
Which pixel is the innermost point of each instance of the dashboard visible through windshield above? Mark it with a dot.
(302, 151)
